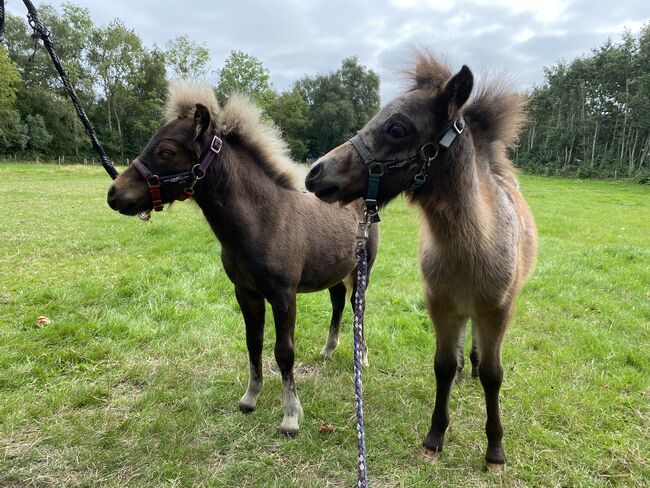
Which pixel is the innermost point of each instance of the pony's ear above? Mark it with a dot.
(457, 90)
(201, 120)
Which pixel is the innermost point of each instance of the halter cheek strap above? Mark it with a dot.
(198, 171)
(420, 161)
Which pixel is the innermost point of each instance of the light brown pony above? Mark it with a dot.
(478, 238)
(276, 241)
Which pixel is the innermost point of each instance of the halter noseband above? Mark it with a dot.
(198, 171)
(420, 161)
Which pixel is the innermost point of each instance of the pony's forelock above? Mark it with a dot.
(183, 95)
(239, 117)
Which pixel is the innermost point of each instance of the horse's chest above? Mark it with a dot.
(466, 277)
(245, 269)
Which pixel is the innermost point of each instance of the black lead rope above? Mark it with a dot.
(2, 21)
(41, 32)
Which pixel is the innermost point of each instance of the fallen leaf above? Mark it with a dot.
(43, 321)
(326, 428)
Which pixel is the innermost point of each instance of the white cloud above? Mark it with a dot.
(294, 38)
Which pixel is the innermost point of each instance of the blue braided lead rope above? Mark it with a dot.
(359, 307)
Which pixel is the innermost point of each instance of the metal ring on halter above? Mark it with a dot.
(435, 154)
(196, 169)
(373, 166)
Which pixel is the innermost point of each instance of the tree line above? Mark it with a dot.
(122, 85)
(591, 116)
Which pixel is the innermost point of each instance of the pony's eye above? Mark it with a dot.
(166, 154)
(397, 131)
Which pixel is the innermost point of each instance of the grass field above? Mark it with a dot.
(136, 380)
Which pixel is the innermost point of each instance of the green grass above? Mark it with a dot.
(136, 381)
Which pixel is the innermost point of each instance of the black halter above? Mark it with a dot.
(419, 162)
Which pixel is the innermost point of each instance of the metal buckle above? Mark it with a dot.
(363, 231)
(461, 122)
(215, 146)
(418, 181)
(153, 181)
(371, 211)
(373, 166)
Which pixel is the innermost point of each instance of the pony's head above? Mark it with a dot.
(412, 122)
(174, 149)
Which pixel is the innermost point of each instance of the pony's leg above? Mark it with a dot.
(337, 297)
(491, 329)
(284, 314)
(461, 353)
(364, 349)
(449, 328)
(473, 354)
(252, 307)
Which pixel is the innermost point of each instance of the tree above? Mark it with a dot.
(339, 104)
(116, 51)
(12, 132)
(41, 91)
(245, 74)
(290, 112)
(186, 59)
(590, 117)
(362, 86)
(38, 138)
(71, 31)
(144, 100)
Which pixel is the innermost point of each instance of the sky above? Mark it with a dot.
(294, 38)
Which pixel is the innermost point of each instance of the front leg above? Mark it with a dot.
(252, 307)
(284, 314)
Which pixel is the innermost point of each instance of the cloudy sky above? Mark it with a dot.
(297, 37)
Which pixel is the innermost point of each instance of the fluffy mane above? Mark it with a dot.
(495, 113)
(241, 119)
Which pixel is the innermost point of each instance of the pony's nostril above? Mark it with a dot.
(315, 172)
(111, 197)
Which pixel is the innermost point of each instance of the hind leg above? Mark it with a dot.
(252, 307)
(461, 354)
(473, 354)
(337, 297)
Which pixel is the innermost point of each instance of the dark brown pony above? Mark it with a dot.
(478, 241)
(275, 240)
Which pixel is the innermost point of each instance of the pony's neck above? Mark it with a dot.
(236, 195)
(453, 201)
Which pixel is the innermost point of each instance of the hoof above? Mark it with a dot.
(326, 353)
(243, 408)
(430, 455)
(289, 433)
(495, 468)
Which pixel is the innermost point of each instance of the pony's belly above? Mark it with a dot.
(325, 276)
